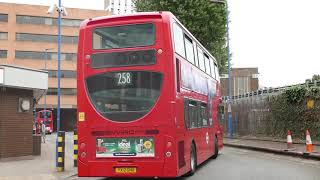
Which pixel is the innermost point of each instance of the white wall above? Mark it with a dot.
(1, 75)
(24, 78)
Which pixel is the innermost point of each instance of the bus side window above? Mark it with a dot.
(201, 60)
(217, 72)
(178, 40)
(207, 64)
(190, 113)
(204, 115)
(178, 74)
(221, 114)
(212, 67)
(195, 54)
(193, 113)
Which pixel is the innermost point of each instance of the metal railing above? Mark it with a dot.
(270, 91)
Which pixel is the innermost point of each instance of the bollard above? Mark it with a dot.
(61, 150)
(75, 148)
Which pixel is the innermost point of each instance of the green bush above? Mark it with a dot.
(289, 111)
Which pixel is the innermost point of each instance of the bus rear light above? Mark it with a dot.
(160, 51)
(168, 154)
(152, 131)
(88, 56)
(169, 144)
(83, 155)
(82, 145)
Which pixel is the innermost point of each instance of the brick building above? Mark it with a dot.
(18, 87)
(242, 80)
(26, 31)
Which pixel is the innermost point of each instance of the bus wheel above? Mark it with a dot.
(193, 160)
(216, 148)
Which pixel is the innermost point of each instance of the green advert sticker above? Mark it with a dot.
(125, 147)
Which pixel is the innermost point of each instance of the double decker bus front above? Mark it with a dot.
(124, 96)
(45, 117)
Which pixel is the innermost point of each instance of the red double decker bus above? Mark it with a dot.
(45, 117)
(148, 97)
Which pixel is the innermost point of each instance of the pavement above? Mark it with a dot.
(278, 147)
(40, 167)
(242, 164)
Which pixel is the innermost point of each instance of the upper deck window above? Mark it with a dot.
(124, 36)
(201, 60)
(45, 114)
(178, 40)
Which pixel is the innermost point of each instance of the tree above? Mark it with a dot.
(316, 77)
(206, 20)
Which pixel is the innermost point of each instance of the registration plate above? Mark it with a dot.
(126, 170)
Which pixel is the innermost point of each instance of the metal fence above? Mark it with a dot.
(251, 112)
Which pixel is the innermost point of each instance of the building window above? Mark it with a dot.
(71, 22)
(21, 19)
(64, 74)
(178, 40)
(63, 91)
(3, 36)
(3, 53)
(255, 75)
(3, 17)
(41, 55)
(46, 38)
(241, 85)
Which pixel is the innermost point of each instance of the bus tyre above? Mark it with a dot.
(216, 148)
(193, 160)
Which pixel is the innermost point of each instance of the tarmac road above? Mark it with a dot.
(238, 164)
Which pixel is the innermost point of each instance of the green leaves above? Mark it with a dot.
(298, 93)
(206, 20)
(295, 94)
(289, 111)
(316, 77)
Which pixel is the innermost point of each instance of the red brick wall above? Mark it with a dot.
(15, 126)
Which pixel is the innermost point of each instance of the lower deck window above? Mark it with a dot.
(195, 114)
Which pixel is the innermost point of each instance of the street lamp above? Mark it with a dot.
(230, 126)
(45, 95)
(61, 11)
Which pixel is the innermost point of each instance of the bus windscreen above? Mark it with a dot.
(124, 96)
(125, 36)
(45, 114)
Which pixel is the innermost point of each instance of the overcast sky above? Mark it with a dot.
(280, 37)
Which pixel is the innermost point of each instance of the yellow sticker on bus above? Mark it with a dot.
(81, 116)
